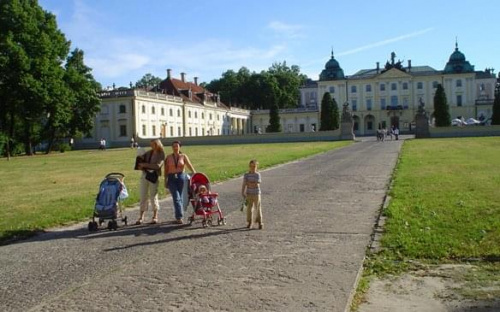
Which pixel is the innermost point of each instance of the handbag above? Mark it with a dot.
(152, 176)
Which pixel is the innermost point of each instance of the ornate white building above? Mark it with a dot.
(390, 96)
(175, 108)
(378, 97)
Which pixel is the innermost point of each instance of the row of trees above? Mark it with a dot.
(279, 85)
(46, 92)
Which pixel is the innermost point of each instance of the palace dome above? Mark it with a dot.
(332, 70)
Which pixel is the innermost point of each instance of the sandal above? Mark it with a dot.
(138, 222)
(179, 221)
(154, 221)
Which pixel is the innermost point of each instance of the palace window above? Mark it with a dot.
(143, 109)
(143, 130)
(382, 87)
(171, 112)
(123, 130)
(458, 83)
(394, 86)
(354, 89)
(434, 84)
(332, 89)
(369, 104)
(354, 105)
(153, 110)
(368, 88)
(405, 85)
(382, 103)
(122, 109)
(420, 85)
(459, 100)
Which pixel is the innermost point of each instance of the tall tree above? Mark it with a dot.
(289, 80)
(148, 81)
(274, 119)
(495, 118)
(441, 108)
(32, 51)
(327, 115)
(84, 102)
(336, 115)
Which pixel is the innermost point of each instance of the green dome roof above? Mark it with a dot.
(332, 70)
(457, 63)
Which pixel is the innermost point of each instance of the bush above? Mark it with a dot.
(63, 147)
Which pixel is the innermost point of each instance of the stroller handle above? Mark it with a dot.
(115, 175)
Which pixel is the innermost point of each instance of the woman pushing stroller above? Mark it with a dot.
(175, 178)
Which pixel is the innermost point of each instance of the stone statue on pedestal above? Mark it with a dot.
(346, 124)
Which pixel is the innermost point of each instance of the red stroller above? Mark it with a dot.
(203, 201)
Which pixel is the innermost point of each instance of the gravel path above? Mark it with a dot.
(319, 216)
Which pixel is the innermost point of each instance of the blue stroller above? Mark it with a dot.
(112, 191)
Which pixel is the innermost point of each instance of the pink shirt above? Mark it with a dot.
(175, 164)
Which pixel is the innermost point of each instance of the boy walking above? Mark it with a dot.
(250, 190)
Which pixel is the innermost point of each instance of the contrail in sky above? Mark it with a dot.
(384, 42)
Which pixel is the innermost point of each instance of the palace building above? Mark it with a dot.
(390, 95)
(175, 108)
(379, 97)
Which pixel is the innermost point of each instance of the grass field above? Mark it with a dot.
(44, 191)
(444, 209)
(446, 200)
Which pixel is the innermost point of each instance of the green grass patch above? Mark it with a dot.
(44, 191)
(445, 200)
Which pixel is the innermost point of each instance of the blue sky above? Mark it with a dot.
(125, 39)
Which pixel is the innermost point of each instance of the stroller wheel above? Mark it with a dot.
(92, 226)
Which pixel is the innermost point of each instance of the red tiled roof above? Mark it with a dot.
(176, 86)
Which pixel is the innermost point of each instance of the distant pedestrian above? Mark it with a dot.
(250, 190)
(71, 142)
(102, 144)
(396, 133)
(132, 143)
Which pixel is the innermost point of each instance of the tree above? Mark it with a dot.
(274, 119)
(247, 89)
(32, 50)
(336, 115)
(148, 81)
(84, 101)
(495, 118)
(327, 113)
(42, 100)
(441, 108)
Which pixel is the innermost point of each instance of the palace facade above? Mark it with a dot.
(378, 97)
(390, 95)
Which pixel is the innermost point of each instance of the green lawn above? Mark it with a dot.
(446, 200)
(444, 208)
(44, 191)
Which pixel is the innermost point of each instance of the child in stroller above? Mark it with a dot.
(203, 201)
(112, 191)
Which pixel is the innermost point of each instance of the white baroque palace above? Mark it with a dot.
(175, 108)
(390, 96)
(378, 97)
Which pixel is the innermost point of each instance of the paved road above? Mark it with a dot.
(319, 216)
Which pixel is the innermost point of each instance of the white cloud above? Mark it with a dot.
(288, 30)
(385, 42)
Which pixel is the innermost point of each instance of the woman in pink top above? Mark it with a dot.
(175, 177)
